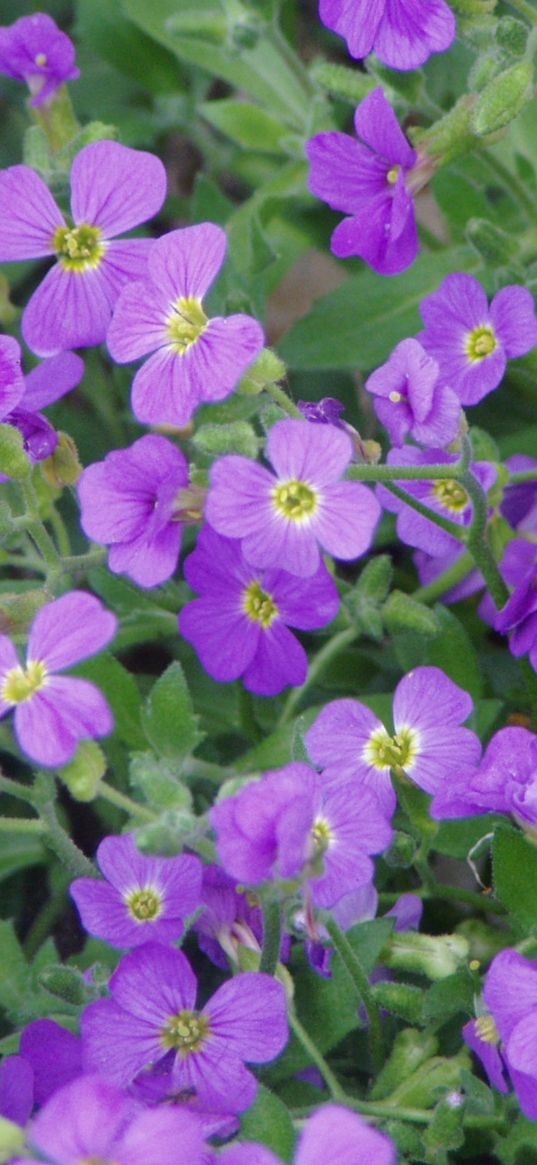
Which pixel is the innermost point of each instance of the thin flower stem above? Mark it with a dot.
(36, 529)
(56, 838)
(72, 563)
(22, 825)
(359, 977)
(456, 531)
(279, 395)
(525, 9)
(17, 789)
(60, 532)
(379, 473)
(449, 894)
(333, 1085)
(455, 573)
(272, 934)
(331, 648)
(122, 801)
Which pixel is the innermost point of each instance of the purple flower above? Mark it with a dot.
(113, 189)
(504, 782)
(402, 34)
(91, 1120)
(428, 745)
(373, 181)
(54, 712)
(471, 341)
(142, 899)
(518, 501)
(331, 1136)
(16, 1089)
(194, 359)
(54, 1055)
(152, 1012)
(446, 496)
(324, 412)
(410, 399)
(35, 51)
(132, 500)
(230, 918)
(11, 378)
(42, 386)
(506, 1037)
(239, 626)
(519, 615)
(284, 517)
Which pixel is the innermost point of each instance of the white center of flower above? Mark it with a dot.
(399, 752)
(296, 500)
(20, 684)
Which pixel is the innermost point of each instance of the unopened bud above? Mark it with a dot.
(234, 437)
(502, 99)
(436, 956)
(424, 1087)
(85, 772)
(451, 135)
(400, 999)
(169, 834)
(512, 35)
(445, 1131)
(267, 369)
(18, 610)
(14, 462)
(65, 982)
(403, 613)
(63, 467)
(410, 1049)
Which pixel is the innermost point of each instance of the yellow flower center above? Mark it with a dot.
(399, 752)
(186, 324)
(79, 248)
(322, 834)
(295, 500)
(259, 605)
(486, 1029)
(41, 60)
(392, 175)
(21, 684)
(144, 905)
(480, 342)
(185, 1032)
(451, 495)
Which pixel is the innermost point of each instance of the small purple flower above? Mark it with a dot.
(372, 180)
(195, 359)
(506, 1037)
(152, 1012)
(42, 386)
(504, 782)
(410, 399)
(283, 518)
(143, 898)
(239, 625)
(132, 500)
(34, 50)
(54, 1054)
(113, 189)
(428, 745)
(324, 412)
(91, 1120)
(54, 712)
(471, 341)
(11, 377)
(402, 34)
(446, 496)
(519, 615)
(229, 919)
(331, 1136)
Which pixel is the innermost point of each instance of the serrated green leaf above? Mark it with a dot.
(158, 782)
(168, 717)
(514, 867)
(268, 1122)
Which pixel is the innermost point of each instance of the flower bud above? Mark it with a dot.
(234, 437)
(64, 982)
(436, 956)
(63, 467)
(451, 135)
(512, 35)
(267, 369)
(402, 613)
(13, 460)
(424, 1087)
(446, 1132)
(169, 834)
(490, 242)
(400, 999)
(502, 99)
(340, 81)
(411, 1048)
(85, 772)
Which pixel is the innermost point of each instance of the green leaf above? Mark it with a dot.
(14, 970)
(268, 1121)
(450, 996)
(367, 939)
(359, 322)
(209, 204)
(157, 780)
(457, 838)
(247, 124)
(19, 852)
(168, 717)
(121, 691)
(453, 651)
(514, 866)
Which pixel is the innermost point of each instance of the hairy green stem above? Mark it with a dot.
(36, 528)
(316, 1057)
(272, 934)
(279, 395)
(330, 649)
(56, 838)
(22, 825)
(123, 801)
(359, 977)
(446, 524)
(449, 578)
(449, 894)
(376, 473)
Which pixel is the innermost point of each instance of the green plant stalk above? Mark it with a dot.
(359, 977)
(379, 473)
(36, 528)
(449, 578)
(272, 934)
(58, 840)
(446, 524)
(316, 1057)
(525, 9)
(281, 398)
(123, 801)
(436, 890)
(330, 649)
(22, 825)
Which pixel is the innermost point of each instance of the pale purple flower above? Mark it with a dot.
(518, 502)
(143, 898)
(92, 1120)
(504, 782)
(132, 500)
(195, 359)
(54, 1054)
(229, 919)
(54, 712)
(403, 33)
(45, 384)
(428, 745)
(331, 1136)
(286, 517)
(445, 496)
(34, 50)
(410, 400)
(113, 188)
(152, 1012)
(240, 624)
(471, 341)
(373, 181)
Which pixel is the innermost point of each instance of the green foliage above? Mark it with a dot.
(168, 718)
(514, 866)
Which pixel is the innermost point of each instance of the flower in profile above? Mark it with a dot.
(331, 1136)
(143, 898)
(372, 180)
(45, 384)
(152, 1013)
(54, 712)
(239, 626)
(428, 744)
(113, 188)
(471, 341)
(34, 50)
(195, 359)
(403, 35)
(505, 1036)
(133, 501)
(410, 400)
(504, 782)
(92, 1120)
(284, 518)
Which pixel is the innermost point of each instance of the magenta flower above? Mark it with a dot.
(504, 782)
(54, 712)
(410, 399)
(239, 625)
(428, 744)
(34, 50)
(331, 1136)
(91, 1120)
(373, 181)
(194, 359)
(403, 33)
(505, 1037)
(283, 518)
(143, 898)
(113, 189)
(152, 1012)
(471, 341)
(132, 500)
